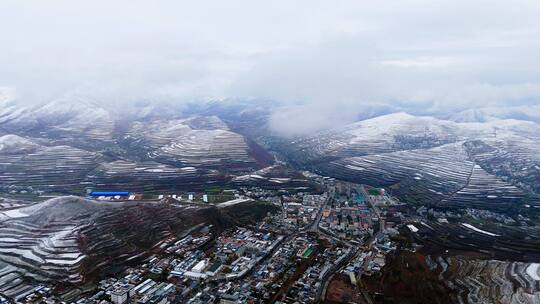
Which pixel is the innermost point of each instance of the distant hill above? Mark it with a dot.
(529, 113)
(71, 144)
(426, 160)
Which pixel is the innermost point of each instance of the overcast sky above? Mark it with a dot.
(332, 58)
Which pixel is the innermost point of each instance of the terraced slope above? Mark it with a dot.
(397, 132)
(204, 142)
(208, 148)
(151, 176)
(490, 281)
(432, 172)
(10, 203)
(384, 134)
(53, 168)
(430, 161)
(484, 189)
(418, 278)
(69, 239)
(516, 159)
(444, 175)
(27, 165)
(72, 144)
(502, 242)
(63, 118)
(275, 177)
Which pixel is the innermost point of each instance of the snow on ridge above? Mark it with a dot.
(533, 270)
(234, 202)
(478, 230)
(69, 114)
(14, 213)
(486, 114)
(388, 126)
(389, 121)
(12, 143)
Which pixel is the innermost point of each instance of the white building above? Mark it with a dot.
(200, 266)
(119, 295)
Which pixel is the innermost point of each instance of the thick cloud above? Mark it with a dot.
(319, 59)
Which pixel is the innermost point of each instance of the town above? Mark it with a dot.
(290, 256)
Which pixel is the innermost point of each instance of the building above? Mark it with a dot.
(120, 295)
(352, 278)
(200, 266)
(109, 193)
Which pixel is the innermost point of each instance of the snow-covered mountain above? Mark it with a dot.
(528, 113)
(99, 146)
(427, 159)
(403, 124)
(68, 239)
(400, 131)
(194, 141)
(69, 115)
(72, 144)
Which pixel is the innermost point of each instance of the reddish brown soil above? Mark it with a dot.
(261, 156)
(340, 290)
(408, 280)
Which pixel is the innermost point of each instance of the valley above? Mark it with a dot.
(217, 209)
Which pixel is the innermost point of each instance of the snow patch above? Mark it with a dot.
(533, 271)
(412, 228)
(479, 230)
(234, 202)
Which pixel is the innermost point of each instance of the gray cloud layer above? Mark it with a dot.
(327, 58)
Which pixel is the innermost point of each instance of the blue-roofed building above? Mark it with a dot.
(109, 193)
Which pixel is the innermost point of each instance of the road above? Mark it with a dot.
(354, 251)
(315, 225)
(338, 267)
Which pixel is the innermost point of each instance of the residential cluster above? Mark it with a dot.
(309, 286)
(348, 218)
(289, 257)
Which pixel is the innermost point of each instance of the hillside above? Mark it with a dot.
(72, 144)
(425, 160)
(69, 240)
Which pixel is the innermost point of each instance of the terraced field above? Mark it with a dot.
(431, 173)
(67, 169)
(9, 203)
(516, 159)
(418, 278)
(68, 240)
(428, 161)
(208, 148)
(64, 118)
(489, 281)
(384, 134)
(151, 176)
(48, 168)
(275, 177)
(516, 243)
(198, 141)
(191, 153)
(484, 189)
(443, 176)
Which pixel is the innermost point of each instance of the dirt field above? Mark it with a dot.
(340, 290)
(408, 280)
